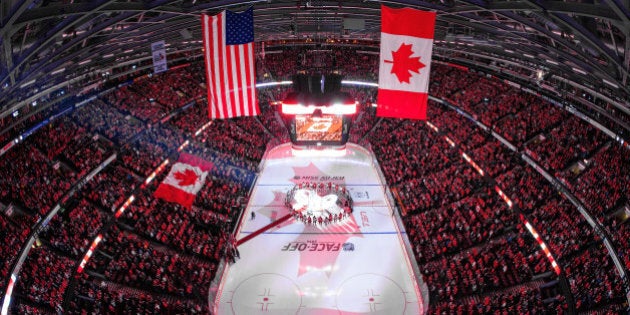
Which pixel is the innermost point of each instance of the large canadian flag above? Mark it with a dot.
(184, 181)
(403, 78)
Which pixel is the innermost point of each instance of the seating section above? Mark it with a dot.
(110, 187)
(104, 120)
(467, 241)
(565, 144)
(190, 120)
(195, 232)
(70, 232)
(472, 248)
(593, 279)
(242, 138)
(34, 182)
(352, 63)
(563, 227)
(101, 297)
(150, 148)
(130, 260)
(14, 231)
(43, 280)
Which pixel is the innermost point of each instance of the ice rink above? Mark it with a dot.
(357, 266)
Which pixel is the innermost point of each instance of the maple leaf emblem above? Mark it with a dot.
(186, 178)
(404, 63)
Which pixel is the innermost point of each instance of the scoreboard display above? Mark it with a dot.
(325, 128)
(316, 113)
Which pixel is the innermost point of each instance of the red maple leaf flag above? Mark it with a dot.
(403, 79)
(184, 181)
(186, 178)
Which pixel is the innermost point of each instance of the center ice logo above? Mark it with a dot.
(319, 204)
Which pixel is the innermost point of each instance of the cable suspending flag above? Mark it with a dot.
(405, 62)
(228, 42)
(184, 181)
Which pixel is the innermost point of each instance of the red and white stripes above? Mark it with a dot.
(230, 76)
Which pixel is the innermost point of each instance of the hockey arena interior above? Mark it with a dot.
(121, 192)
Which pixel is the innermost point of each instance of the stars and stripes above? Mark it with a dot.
(230, 70)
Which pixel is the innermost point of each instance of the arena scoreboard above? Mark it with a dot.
(316, 112)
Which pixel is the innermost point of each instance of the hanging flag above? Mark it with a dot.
(159, 57)
(229, 55)
(403, 78)
(184, 181)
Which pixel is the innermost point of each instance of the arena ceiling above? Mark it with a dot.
(47, 45)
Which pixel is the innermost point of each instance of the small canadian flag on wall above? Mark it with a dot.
(184, 181)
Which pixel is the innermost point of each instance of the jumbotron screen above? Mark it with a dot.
(324, 128)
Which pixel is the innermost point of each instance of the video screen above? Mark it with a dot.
(324, 128)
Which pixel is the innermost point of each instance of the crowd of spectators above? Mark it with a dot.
(110, 187)
(191, 119)
(269, 100)
(48, 164)
(603, 188)
(101, 297)
(196, 231)
(445, 230)
(471, 247)
(349, 62)
(27, 116)
(72, 230)
(498, 264)
(563, 228)
(244, 138)
(31, 181)
(166, 88)
(43, 280)
(150, 148)
(71, 144)
(593, 279)
(524, 300)
(569, 142)
(592, 166)
(130, 102)
(466, 240)
(130, 260)
(104, 120)
(14, 234)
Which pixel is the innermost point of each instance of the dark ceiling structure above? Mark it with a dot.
(47, 45)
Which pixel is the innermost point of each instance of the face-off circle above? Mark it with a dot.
(371, 293)
(319, 203)
(267, 293)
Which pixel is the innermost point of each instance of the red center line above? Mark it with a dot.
(263, 229)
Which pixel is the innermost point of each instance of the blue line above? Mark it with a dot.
(372, 233)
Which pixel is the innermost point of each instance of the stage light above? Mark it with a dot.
(552, 62)
(611, 84)
(27, 83)
(296, 109)
(60, 70)
(340, 109)
(580, 71)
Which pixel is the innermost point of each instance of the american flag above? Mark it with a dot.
(229, 55)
